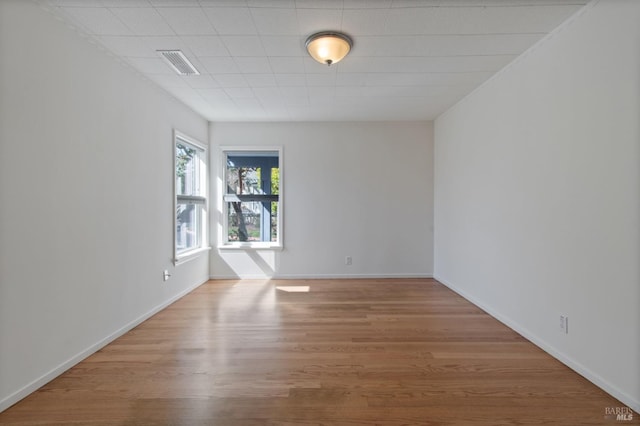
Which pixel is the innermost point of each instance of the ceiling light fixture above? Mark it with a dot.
(328, 47)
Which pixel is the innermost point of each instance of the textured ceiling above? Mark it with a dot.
(411, 60)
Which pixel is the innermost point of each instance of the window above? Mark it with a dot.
(191, 196)
(252, 198)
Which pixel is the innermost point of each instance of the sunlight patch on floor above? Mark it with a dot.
(294, 288)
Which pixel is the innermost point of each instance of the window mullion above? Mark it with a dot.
(191, 199)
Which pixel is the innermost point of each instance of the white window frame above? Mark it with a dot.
(202, 198)
(223, 242)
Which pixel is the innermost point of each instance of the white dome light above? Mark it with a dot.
(328, 47)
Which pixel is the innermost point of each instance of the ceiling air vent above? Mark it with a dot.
(178, 62)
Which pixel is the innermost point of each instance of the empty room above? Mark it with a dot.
(319, 212)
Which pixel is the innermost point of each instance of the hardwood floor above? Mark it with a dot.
(320, 352)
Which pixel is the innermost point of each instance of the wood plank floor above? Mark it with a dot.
(318, 352)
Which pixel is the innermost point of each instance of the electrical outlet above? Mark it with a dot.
(564, 324)
(165, 275)
(348, 260)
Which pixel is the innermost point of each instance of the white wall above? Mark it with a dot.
(86, 204)
(537, 205)
(350, 189)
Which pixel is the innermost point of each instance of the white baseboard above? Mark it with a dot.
(317, 276)
(548, 348)
(46, 378)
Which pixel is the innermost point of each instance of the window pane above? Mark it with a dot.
(244, 221)
(187, 170)
(187, 228)
(275, 181)
(274, 221)
(244, 180)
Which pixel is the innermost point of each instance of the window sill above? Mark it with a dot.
(250, 246)
(190, 255)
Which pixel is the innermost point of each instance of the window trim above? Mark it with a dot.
(204, 246)
(223, 243)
